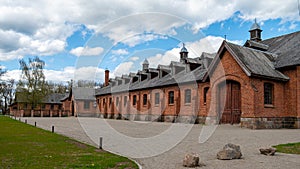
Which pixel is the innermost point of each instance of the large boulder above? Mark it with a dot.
(229, 152)
(191, 160)
(268, 151)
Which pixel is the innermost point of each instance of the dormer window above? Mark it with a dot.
(135, 79)
(143, 77)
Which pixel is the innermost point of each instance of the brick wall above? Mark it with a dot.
(228, 69)
(80, 110)
(298, 92)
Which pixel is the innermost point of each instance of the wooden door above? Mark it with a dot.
(229, 102)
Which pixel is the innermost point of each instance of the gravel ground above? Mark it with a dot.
(139, 139)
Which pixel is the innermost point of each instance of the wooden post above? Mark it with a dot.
(35, 124)
(52, 129)
(100, 142)
(25, 121)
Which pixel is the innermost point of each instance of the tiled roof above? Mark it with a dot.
(257, 59)
(54, 98)
(82, 93)
(177, 79)
(257, 63)
(286, 47)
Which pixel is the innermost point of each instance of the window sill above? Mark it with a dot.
(171, 104)
(187, 104)
(269, 106)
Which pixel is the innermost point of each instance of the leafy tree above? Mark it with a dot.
(56, 87)
(84, 83)
(7, 94)
(32, 86)
(2, 72)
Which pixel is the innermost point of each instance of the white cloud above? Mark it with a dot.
(209, 44)
(87, 51)
(42, 27)
(141, 38)
(164, 59)
(134, 58)
(124, 68)
(68, 73)
(120, 52)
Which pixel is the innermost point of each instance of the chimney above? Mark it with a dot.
(106, 80)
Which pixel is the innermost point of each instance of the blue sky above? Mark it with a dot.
(78, 40)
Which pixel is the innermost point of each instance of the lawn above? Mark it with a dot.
(25, 146)
(290, 148)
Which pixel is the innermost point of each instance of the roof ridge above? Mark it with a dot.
(281, 36)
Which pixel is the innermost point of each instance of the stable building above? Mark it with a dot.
(256, 85)
(50, 106)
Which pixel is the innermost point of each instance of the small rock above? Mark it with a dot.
(229, 152)
(191, 160)
(268, 151)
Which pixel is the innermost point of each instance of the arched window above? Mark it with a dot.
(268, 93)
(187, 96)
(117, 101)
(205, 94)
(125, 100)
(156, 98)
(171, 97)
(134, 100)
(145, 99)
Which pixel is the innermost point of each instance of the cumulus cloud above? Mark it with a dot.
(120, 52)
(134, 58)
(209, 44)
(164, 59)
(86, 51)
(42, 27)
(64, 75)
(124, 68)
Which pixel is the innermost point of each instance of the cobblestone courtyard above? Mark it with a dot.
(89, 130)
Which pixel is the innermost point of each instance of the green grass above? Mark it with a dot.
(24, 146)
(290, 148)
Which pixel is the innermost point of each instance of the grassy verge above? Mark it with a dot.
(24, 146)
(290, 148)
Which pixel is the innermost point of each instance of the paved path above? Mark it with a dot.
(138, 139)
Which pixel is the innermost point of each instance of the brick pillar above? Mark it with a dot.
(22, 113)
(32, 111)
(51, 113)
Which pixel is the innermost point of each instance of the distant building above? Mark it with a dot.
(256, 85)
(50, 106)
(81, 102)
(78, 102)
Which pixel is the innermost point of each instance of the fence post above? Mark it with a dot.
(100, 142)
(52, 129)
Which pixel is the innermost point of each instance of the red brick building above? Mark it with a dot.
(50, 106)
(256, 85)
